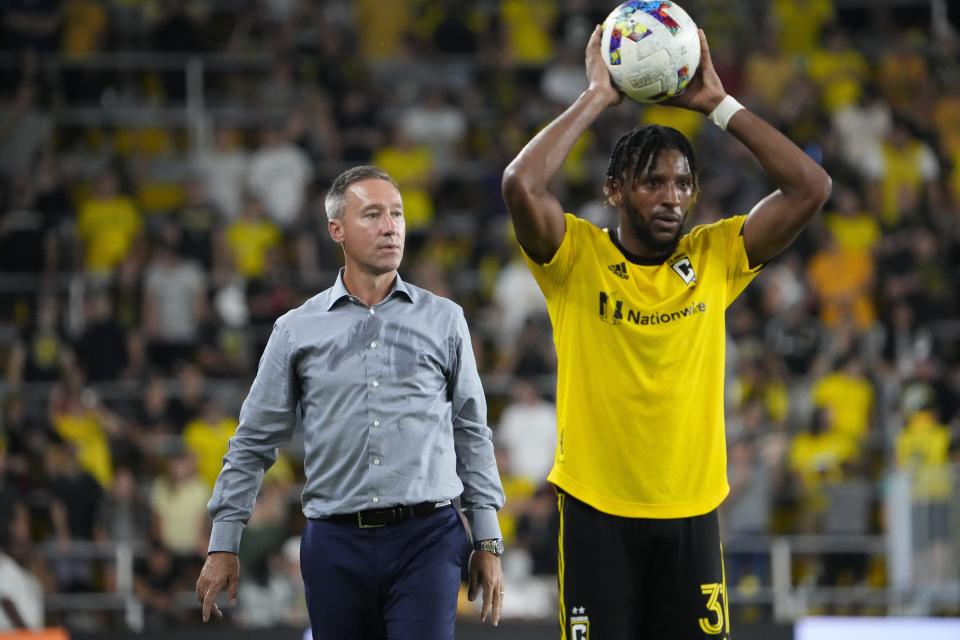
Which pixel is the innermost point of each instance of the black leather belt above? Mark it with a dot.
(390, 515)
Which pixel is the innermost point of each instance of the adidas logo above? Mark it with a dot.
(620, 270)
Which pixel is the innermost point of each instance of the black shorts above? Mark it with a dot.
(640, 578)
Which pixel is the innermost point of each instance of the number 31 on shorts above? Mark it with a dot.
(713, 591)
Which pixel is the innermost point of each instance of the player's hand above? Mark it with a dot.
(705, 90)
(598, 76)
(485, 573)
(222, 569)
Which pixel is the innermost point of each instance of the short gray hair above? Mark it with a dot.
(336, 198)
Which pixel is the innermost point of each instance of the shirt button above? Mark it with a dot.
(376, 461)
(376, 498)
(376, 423)
(376, 384)
(373, 345)
(372, 311)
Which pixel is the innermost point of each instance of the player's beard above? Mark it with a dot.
(640, 229)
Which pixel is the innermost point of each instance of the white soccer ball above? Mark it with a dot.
(652, 49)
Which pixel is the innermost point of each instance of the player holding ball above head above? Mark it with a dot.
(638, 323)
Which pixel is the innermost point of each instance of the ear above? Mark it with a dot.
(335, 227)
(612, 191)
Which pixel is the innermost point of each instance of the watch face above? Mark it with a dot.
(490, 546)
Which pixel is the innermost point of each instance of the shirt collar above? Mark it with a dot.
(339, 291)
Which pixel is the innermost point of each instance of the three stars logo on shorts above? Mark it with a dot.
(579, 624)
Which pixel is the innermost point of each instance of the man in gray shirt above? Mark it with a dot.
(383, 376)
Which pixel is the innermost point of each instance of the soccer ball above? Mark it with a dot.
(652, 49)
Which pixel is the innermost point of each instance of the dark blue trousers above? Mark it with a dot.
(397, 582)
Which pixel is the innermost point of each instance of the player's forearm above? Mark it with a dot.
(795, 173)
(539, 161)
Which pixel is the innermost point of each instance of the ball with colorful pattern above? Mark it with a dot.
(652, 49)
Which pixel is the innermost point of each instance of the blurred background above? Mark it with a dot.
(162, 169)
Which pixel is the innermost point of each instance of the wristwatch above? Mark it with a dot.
(492, 545)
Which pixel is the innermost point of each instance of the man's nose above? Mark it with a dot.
(671, 194)
(391, 226)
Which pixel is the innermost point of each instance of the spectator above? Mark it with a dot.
(526, 30)
(27, 241)
(799, 23)
(24, 127)
(108, 226)
(23, 577)
(250, 239)
(79, 418)
(24, 439)
(852, 228)
(842, 280)
(839, 70)
(861, 128)
(190, 396)
(199, 221)
(413, 167)
(43, 353)
(153, 415)
(817, 457)
(528, 431)
(748, 509)
(154, 583)
(518, 299)
(178, 498)
(922, 449)
(222, 170)
(563, 78)
(902, 174)
(123, 515)
(103, 351)
(902, 73)
(174, 303)
(278, 175)
(207, 436)
(435, 121)
(848, 397)
(84, 28)
(75, 499)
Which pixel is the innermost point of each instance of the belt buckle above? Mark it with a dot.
(367, 526)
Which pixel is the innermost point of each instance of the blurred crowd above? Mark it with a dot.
(142, 264)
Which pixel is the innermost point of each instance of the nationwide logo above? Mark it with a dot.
(620, 270)
(613, 311)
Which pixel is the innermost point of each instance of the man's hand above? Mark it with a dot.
(598, 76)
(485, 572)
(222, 569)
(705, 90)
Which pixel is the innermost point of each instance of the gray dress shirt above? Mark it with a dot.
(391, 405)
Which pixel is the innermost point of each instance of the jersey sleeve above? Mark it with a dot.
(552, 276)
(739, 272)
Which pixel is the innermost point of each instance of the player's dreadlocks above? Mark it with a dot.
(638, 150)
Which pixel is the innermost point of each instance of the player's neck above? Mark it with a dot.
(636, 247)
(370, 288)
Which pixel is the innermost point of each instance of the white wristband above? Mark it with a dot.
(724, 111)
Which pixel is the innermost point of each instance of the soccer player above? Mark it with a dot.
(638, 322)
(383, 378)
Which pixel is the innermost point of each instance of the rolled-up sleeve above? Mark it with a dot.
(476, 463)
(267, 421)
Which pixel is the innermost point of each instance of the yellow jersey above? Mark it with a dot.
(641, 368)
